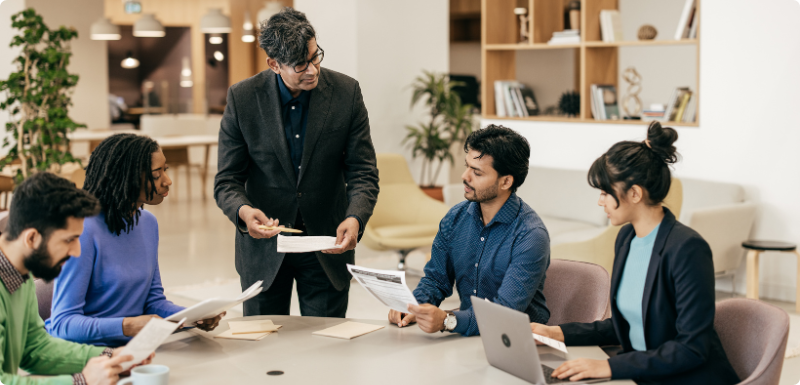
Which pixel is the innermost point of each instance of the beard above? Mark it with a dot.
(482, 196)
(39, 263)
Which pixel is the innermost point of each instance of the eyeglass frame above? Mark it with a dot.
(320, 53)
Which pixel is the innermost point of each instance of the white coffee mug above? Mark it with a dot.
(148, 375)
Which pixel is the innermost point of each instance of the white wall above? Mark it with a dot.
(7, 8)
(749, 131)
(384, 45)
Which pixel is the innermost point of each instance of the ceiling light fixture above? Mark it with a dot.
(215, 38)
(102, 29)
(148, 26)
(129, 62)
(186, 73)
(248, 36)
(270, 9)
(215, 22)
(219, 56)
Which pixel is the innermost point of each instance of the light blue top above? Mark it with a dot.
(631, 286)
(116, 276)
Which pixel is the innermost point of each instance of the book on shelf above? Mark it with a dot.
(604, 102)
(610, 25)
(690, 115)
(687, 21)
(568, 36)
(514, 99)
(677, 104)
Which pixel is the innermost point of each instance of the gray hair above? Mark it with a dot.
(284, 37)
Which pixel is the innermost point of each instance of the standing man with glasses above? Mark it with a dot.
(295, 151)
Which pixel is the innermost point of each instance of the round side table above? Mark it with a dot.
(754, 250)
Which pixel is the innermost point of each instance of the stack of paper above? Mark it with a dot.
(249, 330)
(305, 244)
(348, 330)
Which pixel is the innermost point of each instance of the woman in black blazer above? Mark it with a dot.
(671, 338)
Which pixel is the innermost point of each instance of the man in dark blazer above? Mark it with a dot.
(295, 151)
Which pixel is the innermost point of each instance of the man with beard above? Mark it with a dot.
(492, 246)
(44, 224)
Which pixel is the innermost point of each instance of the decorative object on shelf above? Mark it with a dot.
(450, 122)
(524, 36)
(655, 112)
(270, 8)
(575, 14)
(102, 29)
(631, 102)
(551, 111)
(604, 102)
(148, 26)
(129, 62)
(248, 34)
(38, 97)
(567, 36)
(647, 32)
(215, 22)
(570, 103)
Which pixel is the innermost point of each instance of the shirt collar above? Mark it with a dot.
(10, 276)
(507, 213)
(286, 96)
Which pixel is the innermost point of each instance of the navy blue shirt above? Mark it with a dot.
(504, 261)
(295, 120)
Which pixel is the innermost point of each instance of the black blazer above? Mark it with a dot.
(677, 312)
(338, 174)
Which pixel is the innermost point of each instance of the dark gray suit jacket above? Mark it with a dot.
(338, 173)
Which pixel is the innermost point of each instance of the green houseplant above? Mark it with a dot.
(37, 97)
(449, 122)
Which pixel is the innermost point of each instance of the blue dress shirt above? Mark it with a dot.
(631, 286)
(504, 261)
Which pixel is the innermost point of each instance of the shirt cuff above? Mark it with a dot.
(240, 225)
(360, 223)
(111, 328)
(462, 321)
(79, 379)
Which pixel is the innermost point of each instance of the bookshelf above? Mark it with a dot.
(596, 61)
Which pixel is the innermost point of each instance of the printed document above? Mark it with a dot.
(550, 342)
(214, 306)
(148, 339)
(387, 286)
(305, 244)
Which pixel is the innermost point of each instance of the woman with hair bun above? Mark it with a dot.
(662, 284)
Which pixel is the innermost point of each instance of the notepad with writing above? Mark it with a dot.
(348, 330)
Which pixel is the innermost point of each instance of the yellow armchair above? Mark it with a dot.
(404, 218)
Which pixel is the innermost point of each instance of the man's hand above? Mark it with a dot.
(209, 324)
(146, 361)
(103, 370)
(131, 326)
(346, 236)
(553, 332)
(583, 368)
(429, 318)
(255, 218)
(401, 319)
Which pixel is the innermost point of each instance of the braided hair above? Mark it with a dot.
(114, 176)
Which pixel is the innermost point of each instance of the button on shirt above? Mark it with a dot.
(295, 120)
(504, 261)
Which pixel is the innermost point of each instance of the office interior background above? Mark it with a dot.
(741, 148)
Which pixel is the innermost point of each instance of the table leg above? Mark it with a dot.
(204, 171)
(752, 274)
(797, 299)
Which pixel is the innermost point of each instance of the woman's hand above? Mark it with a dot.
(583, 368)
(553, 332)
(210, 323)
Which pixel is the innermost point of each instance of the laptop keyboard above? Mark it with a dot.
(548, 371)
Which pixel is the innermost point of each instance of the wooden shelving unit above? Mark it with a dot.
(597, 61)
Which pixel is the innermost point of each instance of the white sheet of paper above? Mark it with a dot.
(305, 244)
(550, 342)
(148, 340)
(387, 286)
(215, 306)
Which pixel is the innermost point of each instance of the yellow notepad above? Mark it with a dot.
(248, 327)
(348, 330)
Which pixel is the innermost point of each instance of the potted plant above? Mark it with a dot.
(449, 122)
(38, 96)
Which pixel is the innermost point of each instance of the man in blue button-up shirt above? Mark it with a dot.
(492, 246)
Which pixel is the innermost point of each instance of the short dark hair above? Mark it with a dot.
(285, 36)
(44, 202)
(114, 176)
(509, 150)
(645, 164)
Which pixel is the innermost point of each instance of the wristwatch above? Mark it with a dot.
(449, 322)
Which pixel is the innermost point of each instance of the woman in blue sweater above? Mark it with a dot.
(108, 294)
(662, 283)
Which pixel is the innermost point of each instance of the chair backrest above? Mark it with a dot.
(576, 291)
(703, 193)
(44, 296)
(401, 200)
(674, 199)
(724, 228)
(754, 336)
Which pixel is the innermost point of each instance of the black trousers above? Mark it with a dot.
(318, 297)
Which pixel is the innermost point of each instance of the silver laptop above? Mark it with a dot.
(509, 346)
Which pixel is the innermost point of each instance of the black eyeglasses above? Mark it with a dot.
(302, 67)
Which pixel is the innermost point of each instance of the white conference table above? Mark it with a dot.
(388, 356)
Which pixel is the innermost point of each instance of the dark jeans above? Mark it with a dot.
(318, 297)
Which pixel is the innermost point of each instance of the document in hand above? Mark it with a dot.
(387, 286)
(348, 330)
(148, 339)
(550, 342)
(214, 306)
(305, 244)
